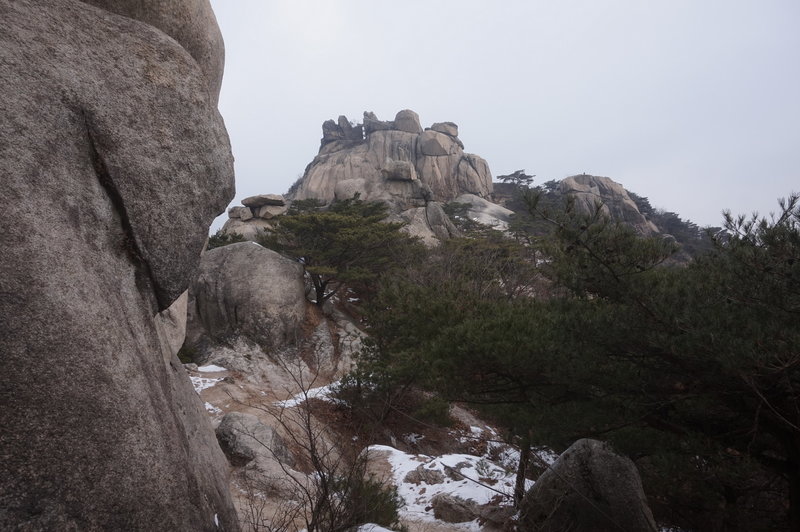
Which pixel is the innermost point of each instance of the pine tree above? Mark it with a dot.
(347, 244)
(692, 371)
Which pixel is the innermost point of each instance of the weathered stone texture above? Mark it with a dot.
(436, 156)
(263, 199)
(244, 438)
(190, 22)
(113, 125)
(485, 212)
(589, 190)
(588, 489)
(247, 290)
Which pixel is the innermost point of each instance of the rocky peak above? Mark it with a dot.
(588, 190)
(413, 170)
(394, 161)
(341, 130)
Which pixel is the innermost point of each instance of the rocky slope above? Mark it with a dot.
(267, 362)
(259, 341)
(109, 119)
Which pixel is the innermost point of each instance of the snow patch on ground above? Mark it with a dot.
(545, 455)
(323, 392)
(372, 528)
(212, 409)
(201, 383)
(500, 452)
(462, 475)
(211, 368)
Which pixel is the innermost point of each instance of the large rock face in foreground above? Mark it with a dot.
(190, 22)
(393, 161)
(246, 290)
(588, 489)
(114, 162)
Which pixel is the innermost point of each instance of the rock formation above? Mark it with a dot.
(250, 218)
(109, 118)
(484, 211)
(260, 456)
(451, 508)
(588, 489)
(429, 223)
(190, 22)
(413, 170)
(589, 190)
(244, 438)
(248, 311)
(249, 317)
(246, 290)
(393, 161)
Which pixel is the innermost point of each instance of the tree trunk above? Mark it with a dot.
(522, 467)
(319, 289)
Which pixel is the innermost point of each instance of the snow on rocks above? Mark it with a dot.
(496, 450)
(211, 368)
(323, 392)
(212, 409)
(200, 383)
(420, 478)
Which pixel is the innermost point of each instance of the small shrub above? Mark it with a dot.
(295, 186)
(219, 239)
(435, 411)
(186, 354)
(371, 501)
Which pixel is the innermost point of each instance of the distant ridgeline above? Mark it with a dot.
(586, 191)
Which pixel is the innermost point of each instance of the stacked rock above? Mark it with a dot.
(251, 217)
(266, 206)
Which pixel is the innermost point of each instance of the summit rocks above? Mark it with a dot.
(413, 171)
(363, 157)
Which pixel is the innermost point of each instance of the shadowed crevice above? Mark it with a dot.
(144, 275)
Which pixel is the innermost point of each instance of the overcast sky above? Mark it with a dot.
(694, 104)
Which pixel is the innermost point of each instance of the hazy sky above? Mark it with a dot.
(694, 104)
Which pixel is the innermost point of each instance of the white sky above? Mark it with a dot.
(694, 104)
